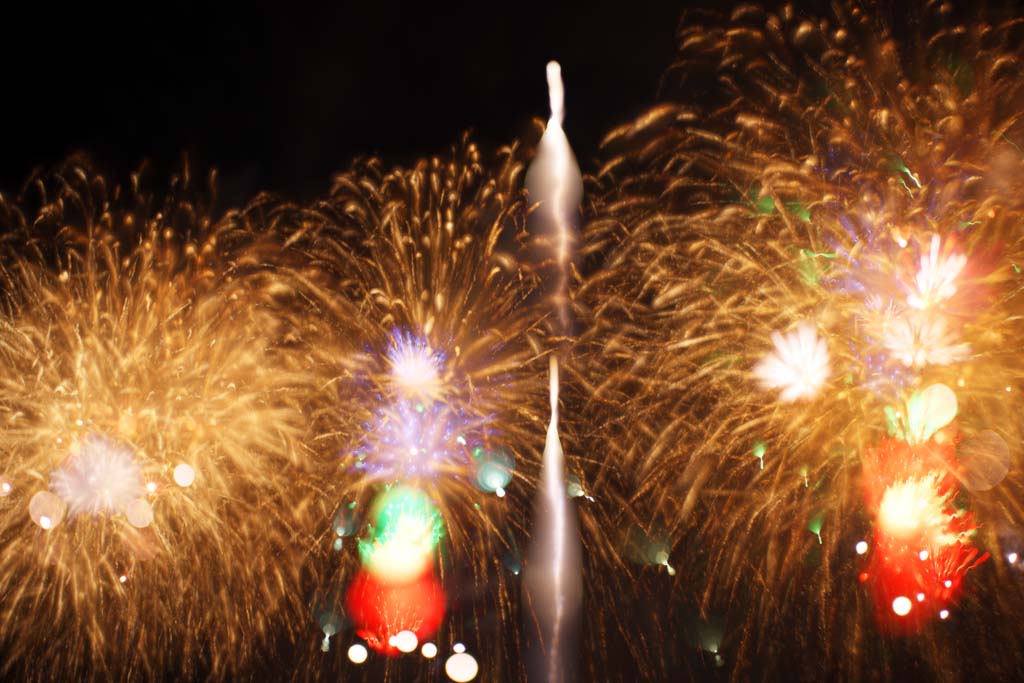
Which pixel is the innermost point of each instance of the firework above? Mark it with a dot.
(848, 200)
(98, 476)
(799, 365)
(407, 301)
(393, 618)
(149, 440)
(403, 533)
(408, 296)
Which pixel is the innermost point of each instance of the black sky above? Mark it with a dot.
(279, 95)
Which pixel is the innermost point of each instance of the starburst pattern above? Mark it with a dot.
(798, 366)
(98, 476)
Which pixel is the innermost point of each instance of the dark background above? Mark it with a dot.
(279, 95)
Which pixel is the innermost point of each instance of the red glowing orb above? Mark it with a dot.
(380, 610)
(922, 548)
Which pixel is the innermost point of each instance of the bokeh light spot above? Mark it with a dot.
(902, 606)
(139, 513)
(494, 470)
(46, 509)
(184, 475)
(357, 653)
(461, 667)
(405, 641)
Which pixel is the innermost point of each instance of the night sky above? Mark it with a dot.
(278, 96)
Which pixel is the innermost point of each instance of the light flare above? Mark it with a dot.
(415, 367)
(919, 338)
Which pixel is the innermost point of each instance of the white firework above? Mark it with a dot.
(414, 365)
(799, 366)
(917, 339)
(100, 476)
(936, 280)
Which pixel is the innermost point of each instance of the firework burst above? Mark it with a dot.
(411, 309)
(409, 296)
(148, 440)
(831, 180)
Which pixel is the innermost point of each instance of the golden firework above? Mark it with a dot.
(410, 295)
(406, 302)
(775, 270)
(146, 417)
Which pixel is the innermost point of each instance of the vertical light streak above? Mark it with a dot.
(554, 492)
(556, 187)
(553, 581)
(563, 163)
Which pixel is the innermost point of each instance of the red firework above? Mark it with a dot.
(382, 610)
(921, 546)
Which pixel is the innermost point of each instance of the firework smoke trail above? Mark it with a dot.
(774, 273)
(149, 440)
(553, 579)
(555, 186)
